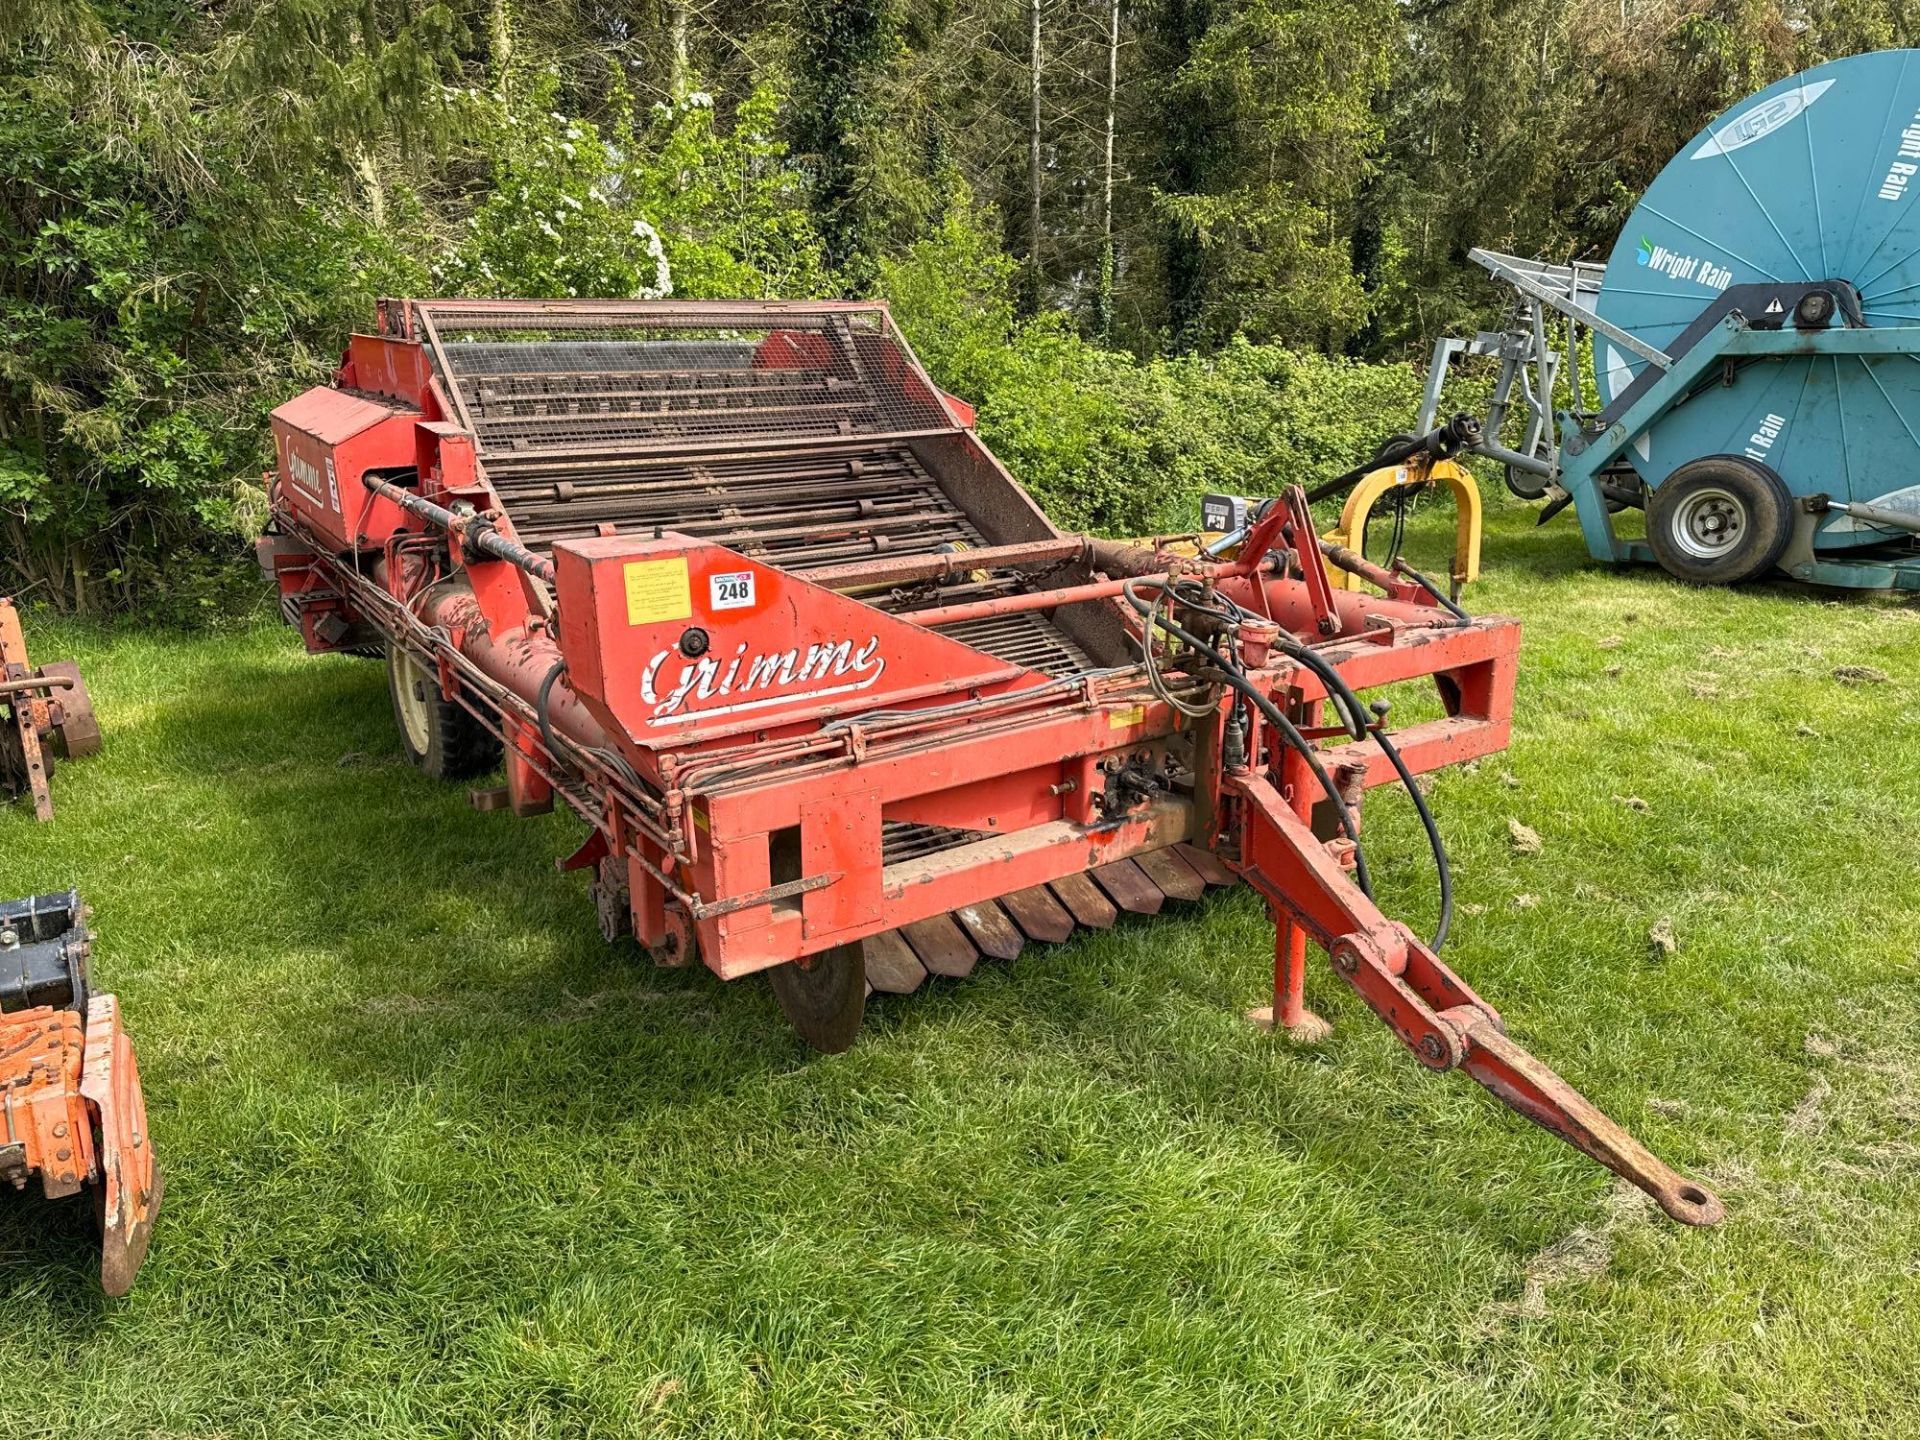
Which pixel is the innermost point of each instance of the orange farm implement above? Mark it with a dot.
(71, 1110)
(739, 586)
(42, 712)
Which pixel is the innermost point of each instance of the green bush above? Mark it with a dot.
(650, 205)
(1111, 443)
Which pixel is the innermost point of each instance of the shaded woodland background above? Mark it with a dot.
(1167, 244)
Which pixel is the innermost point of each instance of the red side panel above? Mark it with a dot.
(794, 350)
(962, 412)
(396, 369)
(325, 440)
(674, 641)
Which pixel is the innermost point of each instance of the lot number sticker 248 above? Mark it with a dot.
(732, 591)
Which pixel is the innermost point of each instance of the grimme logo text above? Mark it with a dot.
(304, 473)
(816, 667)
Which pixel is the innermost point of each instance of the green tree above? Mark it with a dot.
(844, 53)
(181, 246)
(1268, 127)
(638, 206)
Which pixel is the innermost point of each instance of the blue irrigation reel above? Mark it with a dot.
(1755, 346)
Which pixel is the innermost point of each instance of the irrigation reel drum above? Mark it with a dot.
(1796, 209)
(1756, 344)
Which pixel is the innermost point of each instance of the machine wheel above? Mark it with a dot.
(439, 737)
(1399, 437)
(78, 733)
(824, 996)
(1524, 484)
(1719, 520)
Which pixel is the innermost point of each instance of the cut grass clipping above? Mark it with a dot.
(440, 1162)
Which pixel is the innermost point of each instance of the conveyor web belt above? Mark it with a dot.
(605, 377)
(782, 443)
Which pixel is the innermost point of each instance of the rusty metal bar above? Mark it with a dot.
(1031, 600)
(34, 684)
(703, 910)
(933, 567)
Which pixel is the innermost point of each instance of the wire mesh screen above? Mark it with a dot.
(635, 377)
(775, 430)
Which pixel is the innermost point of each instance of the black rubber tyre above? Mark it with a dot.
(439, 737)
(824, 996)
(1399, 437)
(1524, 484)
(1719, 520)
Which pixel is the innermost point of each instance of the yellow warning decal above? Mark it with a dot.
(1121, 719)
(658, 590)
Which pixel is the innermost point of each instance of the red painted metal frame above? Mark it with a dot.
(708, 704)
(70, 1100)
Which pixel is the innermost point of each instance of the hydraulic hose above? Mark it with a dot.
(540, 702)
(1230, 671)
(1304, 747)
(1443, 870)
(1359, 725)
(1444, 602)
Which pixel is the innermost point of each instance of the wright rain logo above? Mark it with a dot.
(1676, 266)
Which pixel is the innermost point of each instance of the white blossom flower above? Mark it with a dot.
(662, 285)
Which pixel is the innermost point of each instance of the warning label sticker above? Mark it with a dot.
(658, 590)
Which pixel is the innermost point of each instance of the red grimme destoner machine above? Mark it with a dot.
(740, 586)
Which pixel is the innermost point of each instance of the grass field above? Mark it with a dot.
(441, 1163)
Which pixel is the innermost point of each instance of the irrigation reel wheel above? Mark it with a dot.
(1814, 179)
(1720, 520)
